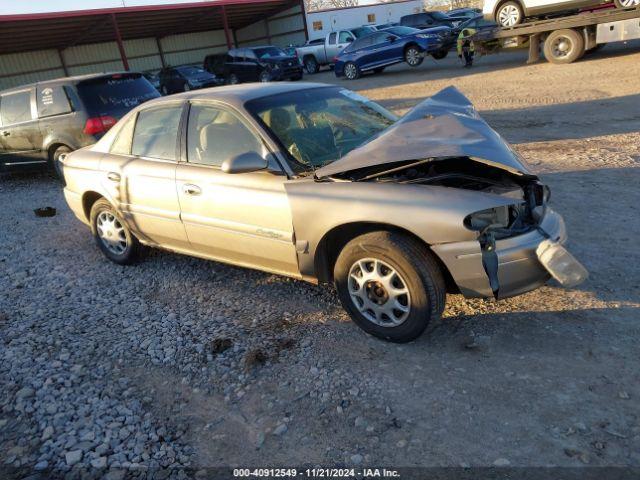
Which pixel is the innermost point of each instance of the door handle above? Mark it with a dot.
(190, 189)
(6, 133)
(113, 176)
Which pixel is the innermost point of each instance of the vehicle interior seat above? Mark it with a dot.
(220, 141)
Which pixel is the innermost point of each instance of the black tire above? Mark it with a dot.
(417, 269)
(378, 70)
(511, 13)
(351, 71)
(264, 77)
(233, 79)
(54, 160)
(413, 56)
(134, 248)
(440, 54)
(311, 65)
(563, 46)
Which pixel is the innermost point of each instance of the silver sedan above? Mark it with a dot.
(321, 184)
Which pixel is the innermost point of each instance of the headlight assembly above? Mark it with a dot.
(498, 217)
(428, 36)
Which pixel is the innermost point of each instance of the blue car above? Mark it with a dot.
(392, 45)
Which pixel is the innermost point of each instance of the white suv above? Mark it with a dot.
(509, 13)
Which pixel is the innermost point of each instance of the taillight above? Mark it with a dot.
(100, 124)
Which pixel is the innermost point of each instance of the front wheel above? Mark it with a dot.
(390, 285)
(413, 56)
(233, 79)
(351, 71)
(112, 235)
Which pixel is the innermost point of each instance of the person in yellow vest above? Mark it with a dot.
(465, 46)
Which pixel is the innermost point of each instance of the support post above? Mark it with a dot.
(534, 48)
(268, 32)
(63, 63)
(304, 20)
(161, 52)
(116, 30)
(227, 32)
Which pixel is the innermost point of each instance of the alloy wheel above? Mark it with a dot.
(111, 233)
(379, 292)
(509, 16)
(311, 66)
(413, 56)
(350, 71)
(629, 3)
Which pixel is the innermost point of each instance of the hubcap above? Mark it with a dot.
(111, 233)
(561, 47)
(350, 70)
(509, 16)
(413, 56)
(379, 292)
(629, 3)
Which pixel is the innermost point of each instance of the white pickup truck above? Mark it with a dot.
(316, 53)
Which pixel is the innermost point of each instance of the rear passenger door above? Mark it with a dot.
(139, 174)
(20, 138)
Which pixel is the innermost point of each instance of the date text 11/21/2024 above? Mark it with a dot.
(316, 473)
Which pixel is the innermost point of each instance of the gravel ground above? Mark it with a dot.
(179, 362)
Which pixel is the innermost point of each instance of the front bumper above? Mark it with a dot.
(286, 73)
(519, 269)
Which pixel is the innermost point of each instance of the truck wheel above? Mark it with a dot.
(413, 56)
(509, 14)
(112, 235)
(351, 71)
(390, 285)
(440, 54)
(311, 65)
(626, 3)
(54, 160)
(564, 46)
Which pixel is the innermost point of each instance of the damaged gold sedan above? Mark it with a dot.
(319, 183)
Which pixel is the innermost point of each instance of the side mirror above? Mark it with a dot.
(391, 38)
(244, 163)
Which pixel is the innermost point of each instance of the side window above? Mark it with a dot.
(345, 37)
(250, 54)
(122, 144)
(52, 101)
(15, 108)
(214, 135)
(332, 38)
(156, 132)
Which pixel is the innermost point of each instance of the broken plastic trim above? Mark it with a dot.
(490, 260)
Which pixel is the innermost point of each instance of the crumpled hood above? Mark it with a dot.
(443, 126)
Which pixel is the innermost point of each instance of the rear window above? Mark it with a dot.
(116, 93)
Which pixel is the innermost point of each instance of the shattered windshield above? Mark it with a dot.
(320, 125)
(268, 52)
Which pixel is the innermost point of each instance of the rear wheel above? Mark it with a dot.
(351, 71)
(509, 14)
(440, 54)
(413, 56)
(564, 46)
(390, 285)
(55, 160)
(311, 65)
(112, 235)
(233, 79)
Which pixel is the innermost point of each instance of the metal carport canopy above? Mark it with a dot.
(60, 30)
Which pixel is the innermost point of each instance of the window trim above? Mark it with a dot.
(178, 146)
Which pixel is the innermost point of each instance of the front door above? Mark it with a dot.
(20, 137)
(241, 218)
(139, 175)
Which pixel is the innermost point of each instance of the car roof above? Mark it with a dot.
(64, 81)
(239, 94)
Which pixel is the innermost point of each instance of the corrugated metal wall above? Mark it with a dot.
(284, 28)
